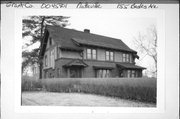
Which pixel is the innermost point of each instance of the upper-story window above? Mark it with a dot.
(46, 62)
(91, 53)
(126, 57)
(109, 56)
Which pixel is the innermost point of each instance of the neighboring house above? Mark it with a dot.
(71, 53)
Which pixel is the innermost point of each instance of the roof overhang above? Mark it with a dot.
(76, 62)
(129, 66)
(102, 67)
(95, 43)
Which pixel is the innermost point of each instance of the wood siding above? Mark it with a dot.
(70, 54)
(118, 56)
(101, 54)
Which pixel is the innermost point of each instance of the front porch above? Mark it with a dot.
(129, 70)
(75, 68)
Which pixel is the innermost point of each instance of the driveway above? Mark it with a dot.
(77, 99)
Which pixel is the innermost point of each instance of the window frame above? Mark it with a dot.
(111, 56)
(91, 54)
(108, 56)
(94, 58)
(126, 57)
(103, 73)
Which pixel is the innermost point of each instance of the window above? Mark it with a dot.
(58, 73)
(130, 58)
(46, 62)
(109, 56)
(88, 53)
(126, 57)
(102, 73)
(99, 73)
(129, 73)
(132, 73)
(91, 53)
(52, 58)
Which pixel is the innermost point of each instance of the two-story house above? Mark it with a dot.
(70, 53)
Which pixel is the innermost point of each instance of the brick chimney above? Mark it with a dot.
(86, 31)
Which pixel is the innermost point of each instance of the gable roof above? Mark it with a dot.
(72, 39)
(65, 37)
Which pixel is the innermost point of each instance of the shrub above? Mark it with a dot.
(128, 88)
(30, 84)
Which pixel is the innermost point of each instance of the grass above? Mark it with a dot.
(139, 89)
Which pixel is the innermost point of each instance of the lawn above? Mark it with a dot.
(76, 99)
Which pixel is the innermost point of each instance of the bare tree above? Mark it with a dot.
(147, 45)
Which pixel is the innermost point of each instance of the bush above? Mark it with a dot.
(128, 88)
(30, 84)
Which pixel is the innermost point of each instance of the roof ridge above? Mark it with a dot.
(84, 32)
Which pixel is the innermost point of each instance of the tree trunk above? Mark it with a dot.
(40, 60)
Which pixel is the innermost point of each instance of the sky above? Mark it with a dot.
(120, 25)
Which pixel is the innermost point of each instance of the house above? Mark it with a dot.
(68, 53)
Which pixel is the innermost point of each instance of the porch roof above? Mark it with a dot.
(104, 66)
(129, 66)
(76, 62)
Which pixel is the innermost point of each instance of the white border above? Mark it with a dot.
(158, 14)
(171, 91)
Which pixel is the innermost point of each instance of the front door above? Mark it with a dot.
(120, 73)
(75, 72)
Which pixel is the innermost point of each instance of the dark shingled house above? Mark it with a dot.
(70, 53)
